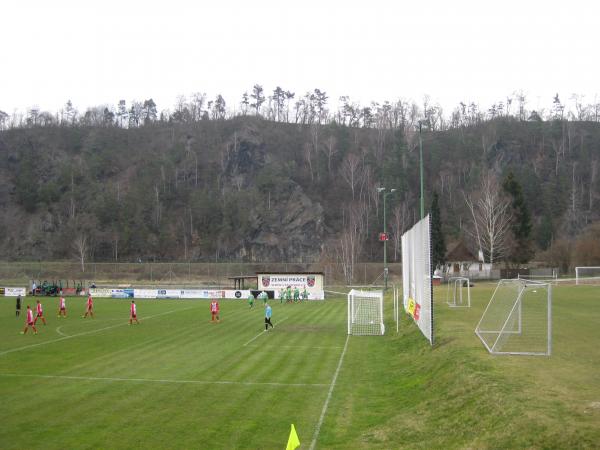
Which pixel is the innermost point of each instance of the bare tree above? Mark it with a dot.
(157, 210)
(593, 175)
(400, 218)
(329, 150)
(350, 243)
(80, 245)
(308, 157)
(115, 242)
(491, 219)
(349, 171)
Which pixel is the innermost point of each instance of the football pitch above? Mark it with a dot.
(177, 380)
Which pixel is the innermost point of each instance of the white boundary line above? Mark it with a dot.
(260, 334)
(331, 386)
(86, 332)
(166, 381)
(59, 332)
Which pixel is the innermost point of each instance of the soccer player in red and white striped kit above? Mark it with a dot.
(39, 313)
(214, 310)
(89, 307)
(133, 313)
(62, 307)
(29, 322)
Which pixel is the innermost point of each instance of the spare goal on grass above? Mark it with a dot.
(365, 312)
(518, 319)
(587, 275)
(458, 292)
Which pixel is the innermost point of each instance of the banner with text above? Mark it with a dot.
(14, 291)
(312, 282)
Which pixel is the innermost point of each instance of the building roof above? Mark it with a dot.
(460, 253)
(290, 273)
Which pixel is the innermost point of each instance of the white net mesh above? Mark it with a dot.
(365, 313)
(458, 292)
(587, 275)
(416, 276)
(518, 319)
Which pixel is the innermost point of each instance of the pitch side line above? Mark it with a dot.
(61, 333)
(331, 386)
(299, 346)
(260, 334)
(87, 332)
(165, 381)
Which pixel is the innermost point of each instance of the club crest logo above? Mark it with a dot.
(310, 280)
(266, 281)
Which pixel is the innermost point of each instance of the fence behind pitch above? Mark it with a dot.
(416, 276)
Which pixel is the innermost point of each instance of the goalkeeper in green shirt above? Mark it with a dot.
(251, 300)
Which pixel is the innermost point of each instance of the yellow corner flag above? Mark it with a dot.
(293, 440)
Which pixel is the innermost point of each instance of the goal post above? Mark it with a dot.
(587, 275)
(365, 313)
(518, 319)
(458, 292)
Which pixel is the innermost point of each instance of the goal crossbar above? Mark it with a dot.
(365, 313)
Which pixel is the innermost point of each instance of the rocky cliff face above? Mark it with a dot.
(288, 225)
(291, 230)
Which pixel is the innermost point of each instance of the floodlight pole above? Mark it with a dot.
(385, 267)
(421, 170)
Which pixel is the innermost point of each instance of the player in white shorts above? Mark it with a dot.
(62, 307)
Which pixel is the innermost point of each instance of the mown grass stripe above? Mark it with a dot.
(166, 381)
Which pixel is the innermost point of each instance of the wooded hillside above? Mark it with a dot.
(251, 189)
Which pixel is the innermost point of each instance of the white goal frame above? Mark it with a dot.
(516, 307)
(579, 278)
(370, 304)
(454, 292)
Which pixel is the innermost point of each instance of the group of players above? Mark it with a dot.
(285, 295)
(30, 320)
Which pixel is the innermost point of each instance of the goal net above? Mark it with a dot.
(365, 312)
(458, 292)
(587, 275)
(518, 319)
(416, 276)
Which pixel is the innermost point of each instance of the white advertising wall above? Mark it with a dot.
(170, 293)
(313, 282)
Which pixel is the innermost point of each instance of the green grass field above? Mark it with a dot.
(179, 381)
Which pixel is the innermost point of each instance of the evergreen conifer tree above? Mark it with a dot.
(522, 250)
(438, 244)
